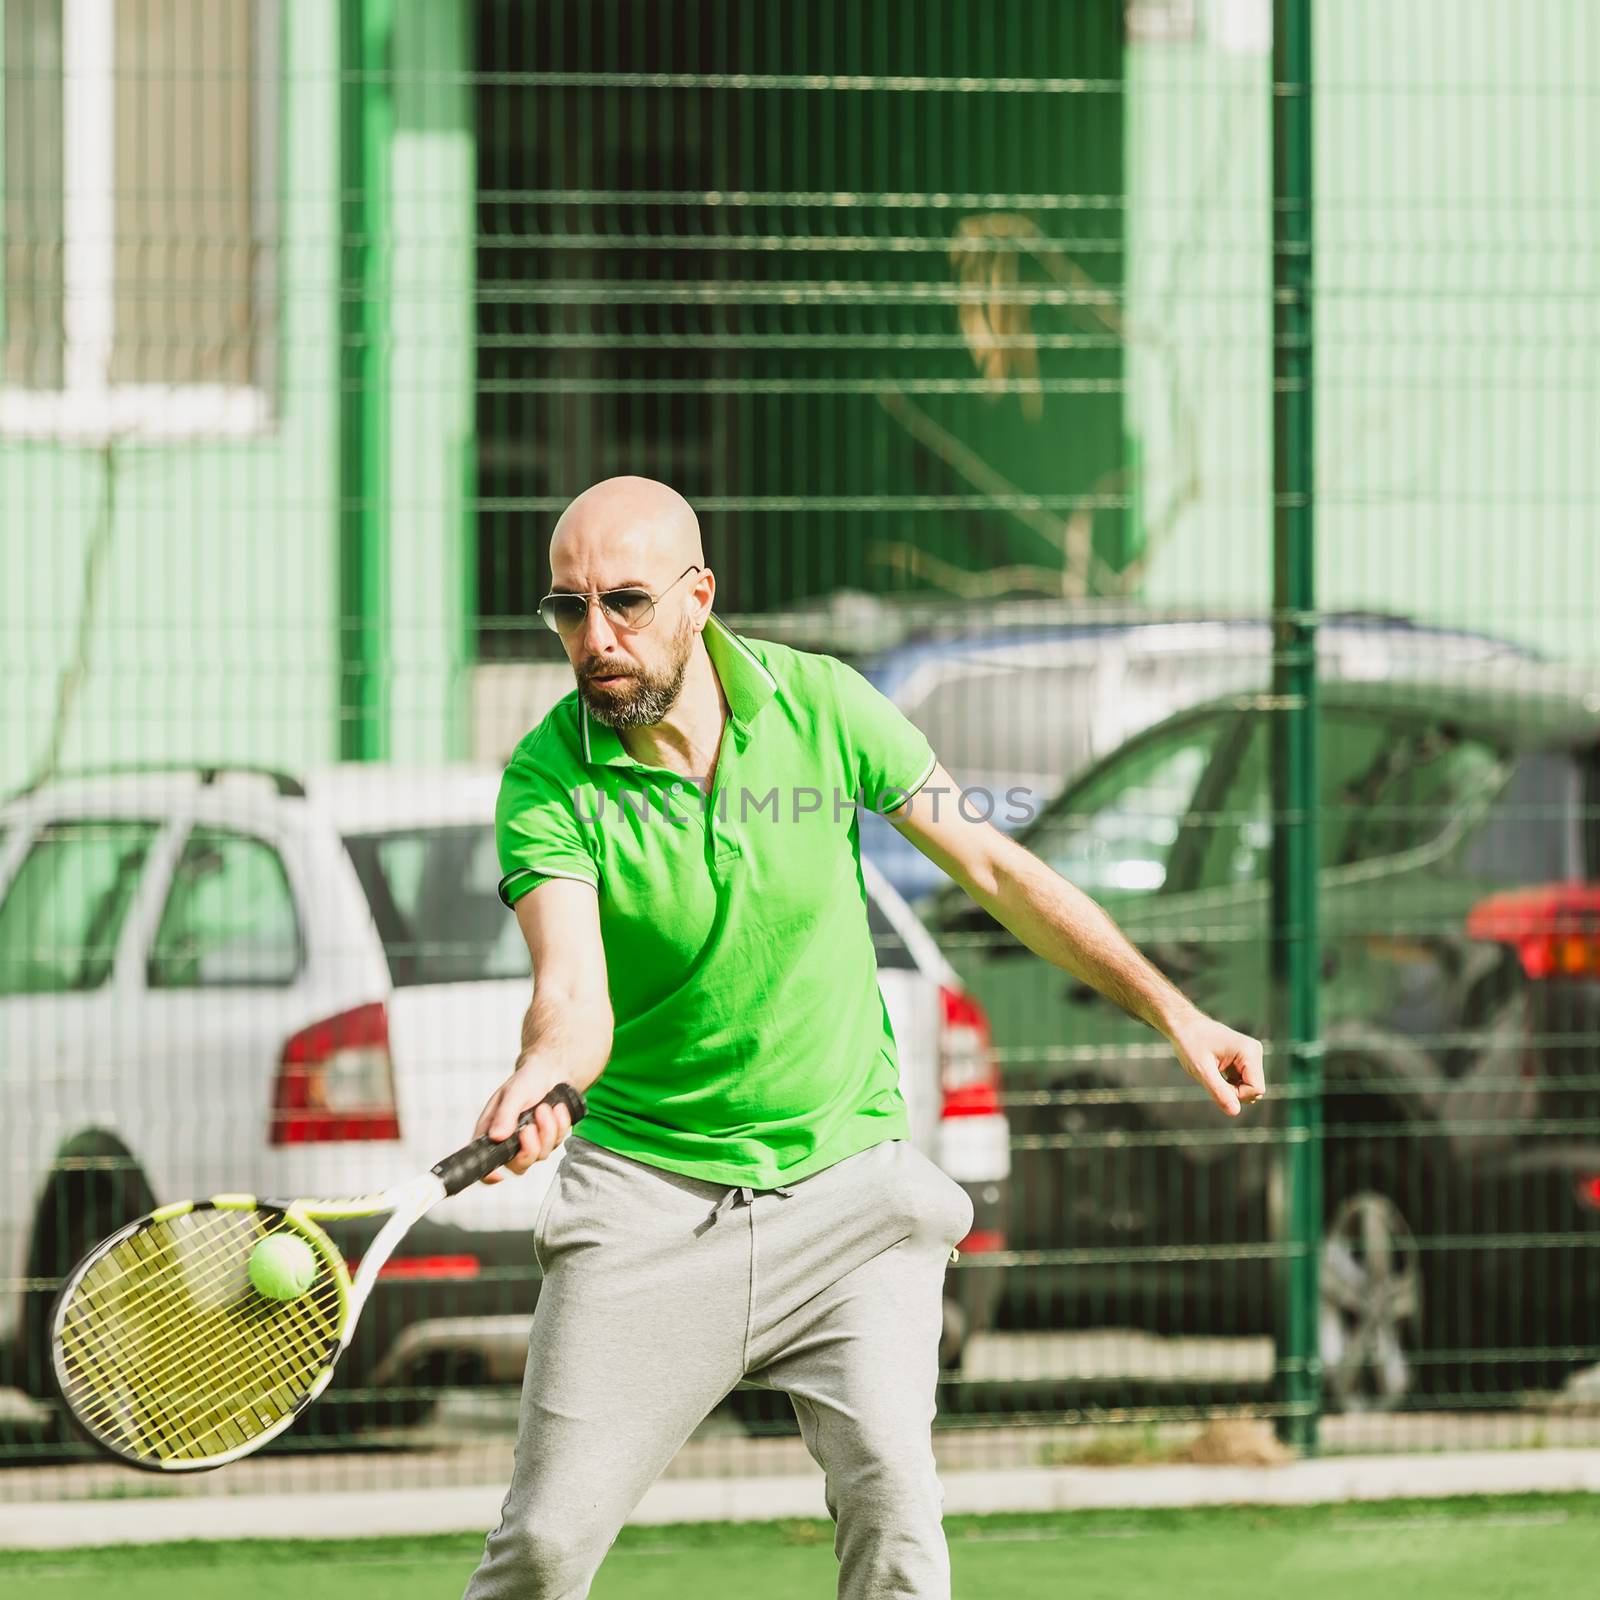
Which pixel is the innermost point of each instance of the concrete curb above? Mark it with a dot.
(76, 1524)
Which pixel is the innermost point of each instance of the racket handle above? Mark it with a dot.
(483, 1156)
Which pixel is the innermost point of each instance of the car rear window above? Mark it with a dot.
(1543, 826)
(433, 897)
(63, 911)
(1030, 724)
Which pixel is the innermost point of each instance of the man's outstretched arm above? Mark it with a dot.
(1061, 923)
(566, 1034)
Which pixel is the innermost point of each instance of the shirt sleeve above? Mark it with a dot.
(537, 834)
(891, 756)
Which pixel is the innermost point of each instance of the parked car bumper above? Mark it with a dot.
(452, 1307)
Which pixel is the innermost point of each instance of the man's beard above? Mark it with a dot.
(645, 698)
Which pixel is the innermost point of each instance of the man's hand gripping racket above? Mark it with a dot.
(172, 1355)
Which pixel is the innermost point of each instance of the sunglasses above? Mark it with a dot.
(625, 608)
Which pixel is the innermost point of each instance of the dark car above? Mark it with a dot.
(1018, 712)
(1459, 894)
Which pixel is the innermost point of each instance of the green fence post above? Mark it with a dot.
(366, 125)
(1295, 963)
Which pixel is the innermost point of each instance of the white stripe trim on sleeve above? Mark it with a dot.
(927, 773)
(516, 877)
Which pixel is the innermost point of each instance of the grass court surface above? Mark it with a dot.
(1464, 1549)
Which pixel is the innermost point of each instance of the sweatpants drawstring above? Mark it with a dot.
(745, 1193)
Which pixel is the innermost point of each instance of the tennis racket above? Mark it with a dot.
(171, 1359)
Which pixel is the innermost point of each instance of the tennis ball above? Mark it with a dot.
(282, 1266)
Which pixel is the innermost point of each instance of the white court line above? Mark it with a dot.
(476, 1508)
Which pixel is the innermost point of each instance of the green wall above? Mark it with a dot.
(1458, 394)
(213, 627)
(432, 215)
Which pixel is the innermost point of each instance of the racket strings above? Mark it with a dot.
(124, 1311)
(205, 1345)
(157, 1375)
(204, 1281)
(169, 1354)
(150, 1252)
(122, 1349)
(181, 1420)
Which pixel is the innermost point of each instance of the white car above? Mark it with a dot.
(226, 979)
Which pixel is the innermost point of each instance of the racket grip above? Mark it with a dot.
(478, 1159)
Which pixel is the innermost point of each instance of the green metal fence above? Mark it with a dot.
(1006, 351)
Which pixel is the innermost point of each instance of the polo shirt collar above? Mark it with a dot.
(746, 682)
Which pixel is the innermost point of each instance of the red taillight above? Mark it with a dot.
(429, 1268)
(1589, 1191)
(982, 1241)
(336, 1081)
(1555, 930)
(968, 1073)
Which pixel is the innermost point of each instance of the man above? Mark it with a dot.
(680, 846)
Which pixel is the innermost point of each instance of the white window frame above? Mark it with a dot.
(88, 407)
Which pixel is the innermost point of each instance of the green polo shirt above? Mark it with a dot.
(752, 1045)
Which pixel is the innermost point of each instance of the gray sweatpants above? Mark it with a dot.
(661, 1292)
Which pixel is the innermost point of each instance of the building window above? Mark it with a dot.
(140, 218)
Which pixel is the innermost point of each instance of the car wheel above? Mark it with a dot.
(78, 1211)
(1372, 1298)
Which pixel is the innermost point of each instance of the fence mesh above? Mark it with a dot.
(955, 323)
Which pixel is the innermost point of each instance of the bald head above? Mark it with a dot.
(625, 530)
(632, 533)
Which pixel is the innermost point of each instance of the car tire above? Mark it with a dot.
(79, 1209)
(1374, 1288)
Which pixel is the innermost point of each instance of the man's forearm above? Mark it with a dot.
(1063, 925)
(571, 1037)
